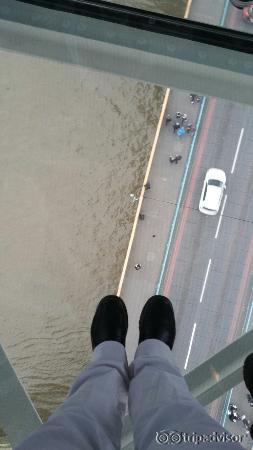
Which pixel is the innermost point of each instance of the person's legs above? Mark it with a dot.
(159, 399)
(91, 416)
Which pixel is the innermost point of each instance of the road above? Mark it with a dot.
(209, 272)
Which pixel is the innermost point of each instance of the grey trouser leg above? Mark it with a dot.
(159, 399)
(91, 416)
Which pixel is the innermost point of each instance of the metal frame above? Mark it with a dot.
(111, 47)
(18, 417)
(152, 22)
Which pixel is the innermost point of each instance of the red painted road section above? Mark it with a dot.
(197, 162)
(237, 314)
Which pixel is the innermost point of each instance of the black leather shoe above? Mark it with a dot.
(110, 321)
(248, 373)
(157, 320)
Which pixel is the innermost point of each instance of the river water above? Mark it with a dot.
(74, 144)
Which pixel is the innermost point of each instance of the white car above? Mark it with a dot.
(212, 192)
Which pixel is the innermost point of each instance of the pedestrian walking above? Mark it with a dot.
(137, 266)
(188, 128)
(168, 119)
(233, 416)
(194, 98)
(183, 118)
(233, 413)
(181, 131)
(147, 185)
(176, 126)
(246, 423)
(178, 115)
(175, 159)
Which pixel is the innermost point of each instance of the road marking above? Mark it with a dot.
(237, 150)
(220, 219)
(190, 346)
(204, 285)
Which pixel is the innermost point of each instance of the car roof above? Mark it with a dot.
(212, 199)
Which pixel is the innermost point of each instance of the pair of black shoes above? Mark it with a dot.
(110, 322)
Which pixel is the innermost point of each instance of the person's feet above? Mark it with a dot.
(157, 320)
(110, 321)
(248, 373)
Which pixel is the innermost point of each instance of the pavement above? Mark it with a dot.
(202, 263)
(158, 207)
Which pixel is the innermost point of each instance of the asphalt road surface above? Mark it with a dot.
(209, 273)
(209, 269)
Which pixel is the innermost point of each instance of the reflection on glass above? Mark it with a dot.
(222, 13)
(169, 7)
(4, 444)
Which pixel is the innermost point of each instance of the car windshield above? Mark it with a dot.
(215, 183)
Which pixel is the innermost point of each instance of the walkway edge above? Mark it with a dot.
(152, 154)
(187, 10)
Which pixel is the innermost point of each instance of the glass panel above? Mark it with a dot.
(86, 157)
(74, 144)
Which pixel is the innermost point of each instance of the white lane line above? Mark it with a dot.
(237, 150)
(220, 219)
(190, 346)
(204, 285)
